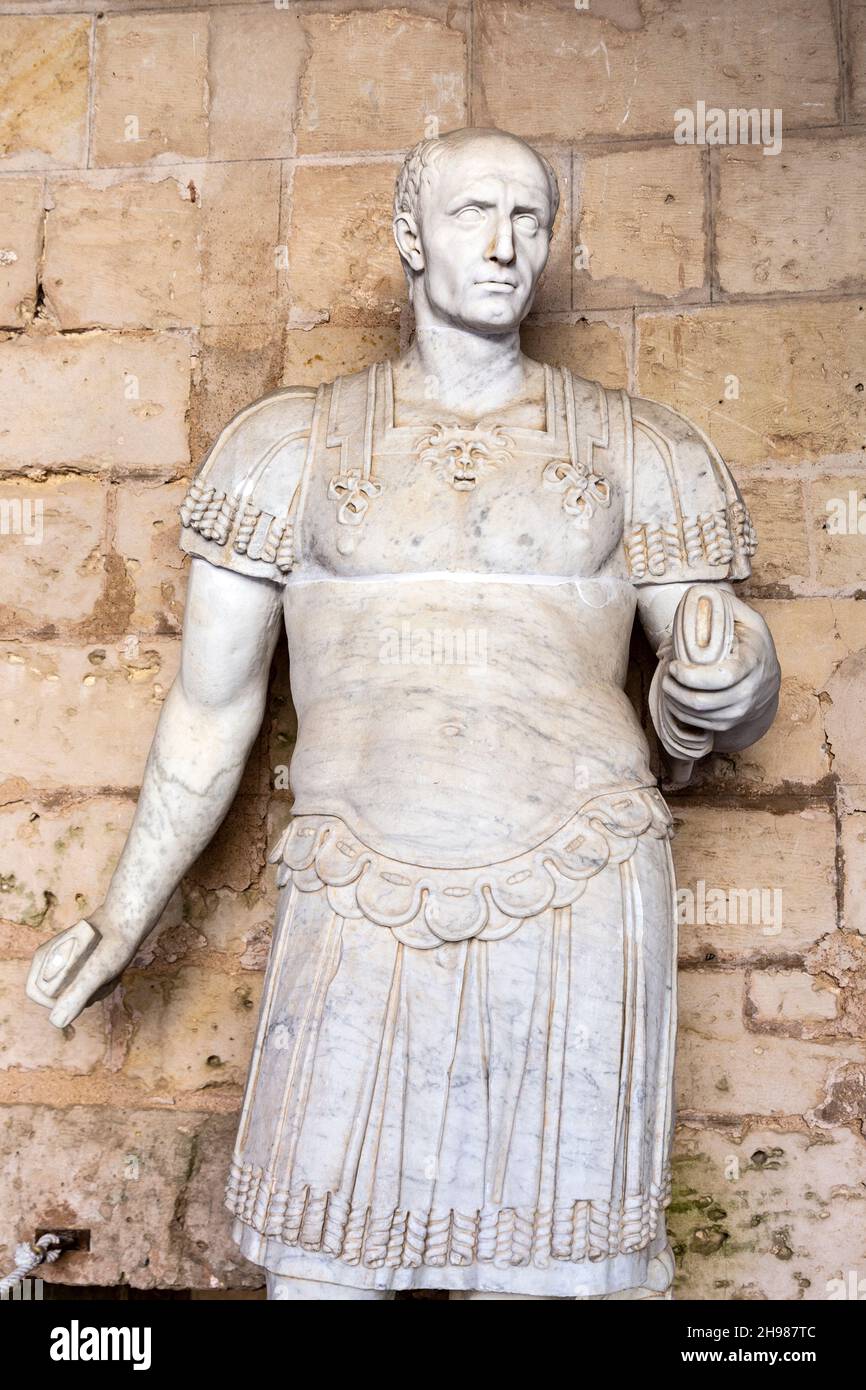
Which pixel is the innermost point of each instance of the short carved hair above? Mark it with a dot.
(427, 153)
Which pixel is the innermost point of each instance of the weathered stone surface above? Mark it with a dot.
(33, 1042)
(81, 718)
(51, 541)
(838, 963)
(814, 638)
(380, 81)
(241, 243)
(724, 1069)
(57, 859)
(776, 871)
(147, 1184)
(838, 527)
(854, 24)
(123, 254)
(21, 246)
(777, 507)
(343, 264)
(234, 923)
(639, 226)
(44, 61)
(236, 366)
(795, 367)
(592, 347)
(843, 715)
(256, 58)
(146, 536)
(790, 1002)
(235, 856)
(554, 293)
(150, 88)
(192, 1029)
(792, 222)
(137, 387)
(854, 891)
(768, 1215)
(624, 69)
(321, 353)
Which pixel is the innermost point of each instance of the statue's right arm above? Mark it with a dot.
(204, 735)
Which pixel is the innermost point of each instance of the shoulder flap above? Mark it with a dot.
(687, 519)
(240, 508)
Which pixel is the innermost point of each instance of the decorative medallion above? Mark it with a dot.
(461, 456)
(581, 488)
(353, 491)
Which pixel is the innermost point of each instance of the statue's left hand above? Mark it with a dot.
(740, 689)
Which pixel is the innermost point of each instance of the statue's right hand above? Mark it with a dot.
(76, 968)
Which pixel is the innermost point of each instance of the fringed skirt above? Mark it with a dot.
(479, 1114)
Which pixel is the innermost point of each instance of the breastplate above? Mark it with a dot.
(379, 498)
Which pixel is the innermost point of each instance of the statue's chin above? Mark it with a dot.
(491, 323)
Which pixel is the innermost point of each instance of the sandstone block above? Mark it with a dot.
(592, 347)
(791, 222)
(131, 395)
(343, 265)
(723, 1069)
(21, 247)
(57, 859)
(191, 1029)
(150, 88)
(380, 80)
(639, 226)
(627, 70)
(768, 1214)
(51, 543)
(147, 537)
(82, 718)
(123, 255)
(768, 382)
(753, 884)
(44, 60)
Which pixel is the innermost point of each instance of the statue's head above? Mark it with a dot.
(473, 215)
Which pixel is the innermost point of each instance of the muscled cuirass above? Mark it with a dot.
(459, 600)
(382, 498)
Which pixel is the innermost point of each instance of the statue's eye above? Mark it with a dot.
(526, 222)
(470, 215)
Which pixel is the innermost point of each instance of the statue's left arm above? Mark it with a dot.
(688, 526)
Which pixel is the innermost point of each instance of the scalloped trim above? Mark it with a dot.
(424, 907)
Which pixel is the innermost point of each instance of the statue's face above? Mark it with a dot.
(485, 234)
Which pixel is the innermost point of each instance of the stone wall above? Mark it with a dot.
(195, 209)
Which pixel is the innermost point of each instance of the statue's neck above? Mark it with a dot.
(469, 373)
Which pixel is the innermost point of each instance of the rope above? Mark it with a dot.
(27, 1256)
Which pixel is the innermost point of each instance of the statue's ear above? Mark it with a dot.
(408, 241)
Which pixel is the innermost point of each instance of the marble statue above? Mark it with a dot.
(462, 1077)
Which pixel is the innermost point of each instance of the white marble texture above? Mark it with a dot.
(462, 1075)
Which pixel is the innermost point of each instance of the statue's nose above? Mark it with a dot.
(501, 247)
